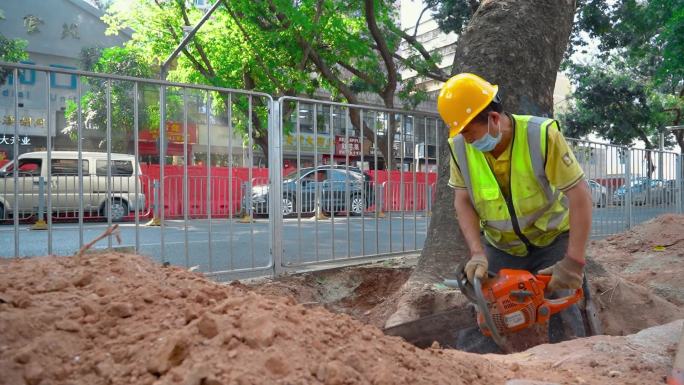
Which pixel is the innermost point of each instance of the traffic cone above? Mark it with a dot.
(155, 221)
(319, 214)
(245, 216)
(39, 225)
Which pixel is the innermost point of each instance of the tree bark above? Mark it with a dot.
(519, 46)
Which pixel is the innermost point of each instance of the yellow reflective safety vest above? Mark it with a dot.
(536, 212)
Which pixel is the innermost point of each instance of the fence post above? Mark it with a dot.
(275, 179)
(428, 201)
(319, 214)
(40, 222)
(628, 187)
(678, 183)
(155, 221)
(246, 211)
(380, 201)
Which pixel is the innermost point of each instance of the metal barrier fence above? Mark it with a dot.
(192, 192)
(352, 203)
(629, 185)
(178, 126)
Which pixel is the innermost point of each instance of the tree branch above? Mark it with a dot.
(198, 46)
(193, 60)
(248, 38)
(279, 15)
(474, 5)
(391, 86)
(327, 72)
(678, 114)
(432, 75)
(415, 30)
(361, 75)
(421, 49)
(307, 50)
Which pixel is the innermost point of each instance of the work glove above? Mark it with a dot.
(476, 267)
(565, 275)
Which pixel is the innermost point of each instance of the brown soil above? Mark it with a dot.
(651, 254)
(122, 319)
(364, 292)
(639, 284)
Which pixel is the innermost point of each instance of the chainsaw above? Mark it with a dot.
(510, 308)
(511, 301)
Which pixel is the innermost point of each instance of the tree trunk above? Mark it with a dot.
(519, 46)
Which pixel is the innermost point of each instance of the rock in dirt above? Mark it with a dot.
(68, 325)
(170, 353)
(33, 373)
(207, 326)
(120, 309)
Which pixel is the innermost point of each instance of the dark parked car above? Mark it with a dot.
(648, 192)
(339, 189)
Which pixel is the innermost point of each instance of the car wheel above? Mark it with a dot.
(288, 205)
(604, 200)
(357, 205)
(119, 210)
(2, 212)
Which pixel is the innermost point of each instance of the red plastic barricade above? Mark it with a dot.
(393, 182)
(228, 186)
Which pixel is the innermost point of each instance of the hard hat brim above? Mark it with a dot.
(455, 130)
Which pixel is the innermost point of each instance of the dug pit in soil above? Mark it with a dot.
(123, 319)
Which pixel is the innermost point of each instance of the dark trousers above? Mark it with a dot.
(564, 325)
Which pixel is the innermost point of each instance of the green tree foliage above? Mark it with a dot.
(280, 48)
(11, 50)
(119, 61)
(635, 86)
(226, 52)
(629, 92)
(614, 103)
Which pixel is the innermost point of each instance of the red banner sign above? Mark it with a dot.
(352, 147)
(174, 133)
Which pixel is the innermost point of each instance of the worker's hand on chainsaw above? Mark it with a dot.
(565, 275)
(476, 267)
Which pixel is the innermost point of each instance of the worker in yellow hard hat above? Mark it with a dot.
(518, 184)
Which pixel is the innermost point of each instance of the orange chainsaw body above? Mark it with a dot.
(515, 300)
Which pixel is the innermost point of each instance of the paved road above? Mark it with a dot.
(231, 245)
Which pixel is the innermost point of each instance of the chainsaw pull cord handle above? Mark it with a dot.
(558, 304)
(482, 305)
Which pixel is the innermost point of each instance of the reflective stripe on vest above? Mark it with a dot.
(536, 212)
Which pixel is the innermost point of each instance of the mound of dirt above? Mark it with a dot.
(650, 254)
(641, 358)
(122, 319)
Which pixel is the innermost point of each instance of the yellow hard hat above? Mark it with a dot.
(463, 97)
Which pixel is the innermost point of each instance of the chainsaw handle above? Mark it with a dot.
(558, 304)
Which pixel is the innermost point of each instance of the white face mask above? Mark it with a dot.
(487, 142)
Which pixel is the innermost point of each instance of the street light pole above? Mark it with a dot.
(164, 72)
(186, 40)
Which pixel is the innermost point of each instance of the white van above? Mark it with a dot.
(64, 184)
